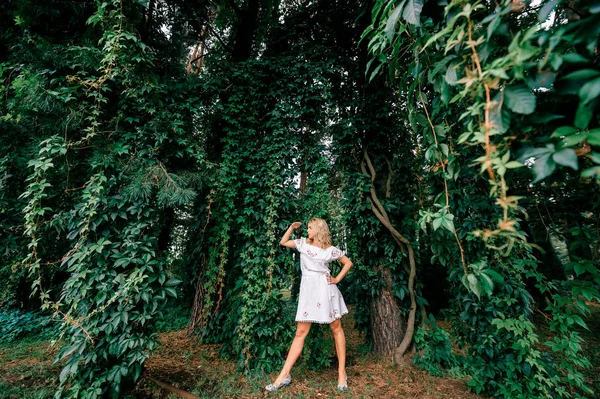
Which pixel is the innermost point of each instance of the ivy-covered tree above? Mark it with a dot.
(451, 146)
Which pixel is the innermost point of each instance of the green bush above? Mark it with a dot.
(434, 349)
(16, 324)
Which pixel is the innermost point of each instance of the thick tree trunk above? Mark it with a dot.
(243, 41)
(406, 247)
(386, 320)
(196, 318)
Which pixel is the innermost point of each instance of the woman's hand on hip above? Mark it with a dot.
(332, 280)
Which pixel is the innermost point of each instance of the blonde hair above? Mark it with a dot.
(322, 234)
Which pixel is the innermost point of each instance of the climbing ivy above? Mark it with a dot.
(106, 219)
(430, 146)
(473, 75)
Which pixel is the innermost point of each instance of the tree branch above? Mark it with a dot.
(388, 184)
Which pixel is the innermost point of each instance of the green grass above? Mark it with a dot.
(12, 392)
(26, 369)
(173, 319)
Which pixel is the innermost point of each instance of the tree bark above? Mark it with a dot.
(385, 320)
(196, 318)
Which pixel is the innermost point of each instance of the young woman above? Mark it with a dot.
(320, 301)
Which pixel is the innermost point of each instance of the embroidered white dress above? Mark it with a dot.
(319, 301)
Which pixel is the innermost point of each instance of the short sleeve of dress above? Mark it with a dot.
(336, 253)
(299, 243)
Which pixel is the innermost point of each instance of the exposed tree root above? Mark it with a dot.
(172, 389)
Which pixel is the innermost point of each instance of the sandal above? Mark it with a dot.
(343, 388)
(286, 382)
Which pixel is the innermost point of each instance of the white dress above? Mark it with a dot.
(319, 301)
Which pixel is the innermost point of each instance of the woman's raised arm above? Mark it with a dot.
(285, 240)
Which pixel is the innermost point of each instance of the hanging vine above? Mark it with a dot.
(482, 71)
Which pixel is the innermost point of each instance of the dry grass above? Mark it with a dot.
(199, 369)
(27, 372)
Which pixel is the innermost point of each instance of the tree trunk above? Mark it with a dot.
(386, 320)
(406, 247)
(196, 318)
(243, 41)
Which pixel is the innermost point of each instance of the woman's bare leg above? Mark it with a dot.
(294, 352)
(340, 348)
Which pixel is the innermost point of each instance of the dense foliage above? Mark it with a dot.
(153, 153)
(475, 77)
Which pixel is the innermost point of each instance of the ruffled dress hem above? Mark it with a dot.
(323, 322)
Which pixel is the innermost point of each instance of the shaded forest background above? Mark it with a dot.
(153, 153)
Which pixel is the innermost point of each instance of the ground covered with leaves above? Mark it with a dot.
(199, 369)
(182, 363)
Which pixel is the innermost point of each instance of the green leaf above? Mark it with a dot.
(566, 157)
(543, 167)
(594, 156)
(487, 283)
(593, 137)
(390, 25)
(574, 58)
(451, 76)
(412, 12)
(589, 293)
(65, 373)
(583, 115)
(437, 223)
(590, 91)
(513, 165)
(474, 285)
(464, 281)
(68, 351)
(374, 73)
(591, 172)
(172, 282)
(582, 74)
(499, 116)
(520, 99)
(564, 131)
(493, 25)
(545, 117)
(447, 223)
(579, 268)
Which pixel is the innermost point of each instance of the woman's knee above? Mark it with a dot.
(336, 327)
(302, 330)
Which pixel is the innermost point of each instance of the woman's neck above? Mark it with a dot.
(316, 243)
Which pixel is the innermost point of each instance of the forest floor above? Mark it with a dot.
(199, 369)
(27, 372)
